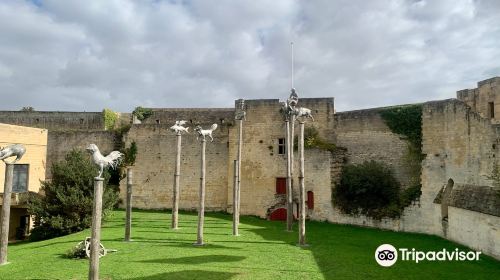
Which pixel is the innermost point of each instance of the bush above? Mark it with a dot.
(66, 204)
(142, 113)
(368, 188)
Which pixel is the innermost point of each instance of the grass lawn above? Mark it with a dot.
(263, 251)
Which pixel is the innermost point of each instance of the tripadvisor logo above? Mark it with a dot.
(387, 255)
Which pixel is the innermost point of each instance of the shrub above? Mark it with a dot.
(142, 113)
(368, 188)
(313, 140)
(66, 204)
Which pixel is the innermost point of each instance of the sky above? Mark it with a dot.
(75, 55)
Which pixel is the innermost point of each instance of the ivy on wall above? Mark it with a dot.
(110, 118)
(407, 121)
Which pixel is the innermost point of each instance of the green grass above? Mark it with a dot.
(263, 251)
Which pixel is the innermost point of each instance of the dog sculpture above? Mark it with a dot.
(112, 160)
(16, 150)
(303, 112)
(205, 132)
(178, 127)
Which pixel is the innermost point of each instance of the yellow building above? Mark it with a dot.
(28, 172)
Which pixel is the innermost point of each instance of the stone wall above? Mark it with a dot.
(155, 165)
(487, 91)
(460, 148)
(55, 120)
(366, 137)
(262, 164)
(61, 142)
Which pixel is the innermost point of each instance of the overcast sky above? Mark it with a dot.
(88, 55)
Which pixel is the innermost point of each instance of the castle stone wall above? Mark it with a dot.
(59, 143)
(55, 120)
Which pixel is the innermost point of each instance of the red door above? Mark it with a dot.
(310, 200)
(278, 215)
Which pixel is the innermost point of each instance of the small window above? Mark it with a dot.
(157, 121)
(280, 185)
(281, 146)
(310, 200)
(20, 179)
(491, 109)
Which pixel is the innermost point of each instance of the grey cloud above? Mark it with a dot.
(89, 55)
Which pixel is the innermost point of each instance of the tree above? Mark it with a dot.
(65, 203)
(28, 109)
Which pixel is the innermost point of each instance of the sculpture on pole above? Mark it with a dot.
(178, 128)
(112, 160)
(201, 209)
(239, 116)
(205, 132)
(302, 113)
(16, 150)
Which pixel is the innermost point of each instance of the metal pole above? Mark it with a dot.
(96, 229)
(128, 215)
(201, 210)
(289, 201)
(177, 176)
(238, 187)
(302, 211)
(9, 174)
(235, 198)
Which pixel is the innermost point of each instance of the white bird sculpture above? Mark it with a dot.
(112, 160)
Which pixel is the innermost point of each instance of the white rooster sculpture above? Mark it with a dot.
(112, 160)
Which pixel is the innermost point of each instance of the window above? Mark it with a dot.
(280, 185)
(491, 109)
(310, 200)
(20, 179)
(281, 146)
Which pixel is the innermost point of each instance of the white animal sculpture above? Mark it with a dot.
(16, 150)
(112, 160)
(178, 127)
(303, 112)
(205, 132)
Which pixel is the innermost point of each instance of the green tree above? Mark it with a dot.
(65, 205)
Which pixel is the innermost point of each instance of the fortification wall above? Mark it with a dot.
(262, 164)
(155, 165)
(460, 148)
(55, 120)
(479, 99)
(367, 137)
(59, 143)
(194, 116)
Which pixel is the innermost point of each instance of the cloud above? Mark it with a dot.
(90, 55)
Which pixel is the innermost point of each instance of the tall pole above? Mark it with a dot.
(201, 209)
(289, 200)
(177, 176)
(238, 189)
(235, 198)
(302, 211)
(292, 148)
(96, 229)
(7, 190)
(128, 215)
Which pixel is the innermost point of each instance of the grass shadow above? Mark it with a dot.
(198, 259)
(189, 275)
